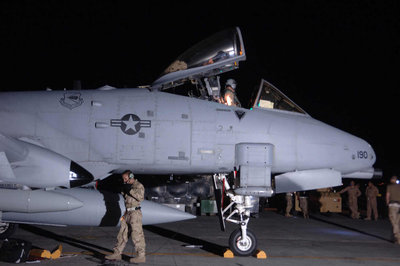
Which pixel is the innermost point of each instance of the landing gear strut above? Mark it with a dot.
(242, 241)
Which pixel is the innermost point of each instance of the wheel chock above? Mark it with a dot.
(260, 254)
(46, 254)
(56, 253)
(228, 254)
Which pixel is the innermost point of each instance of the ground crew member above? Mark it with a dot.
(393, 201)
(371, 193)
(303, 203)
(230, 97)
(133, 194)
(289, 204)
(353, 192)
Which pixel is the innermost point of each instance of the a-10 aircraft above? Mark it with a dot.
(53, 142)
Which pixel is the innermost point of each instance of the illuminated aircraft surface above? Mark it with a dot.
(53, 142)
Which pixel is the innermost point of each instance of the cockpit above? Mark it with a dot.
(269, 97)
(201, 68)
(224, 47)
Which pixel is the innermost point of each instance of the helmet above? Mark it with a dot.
(129, 173)
(231, 82)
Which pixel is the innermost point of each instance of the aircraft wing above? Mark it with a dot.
(28, 164)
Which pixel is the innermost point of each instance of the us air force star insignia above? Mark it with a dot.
(130, 124)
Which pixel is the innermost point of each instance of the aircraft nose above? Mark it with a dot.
(367, 153)
(372, 156)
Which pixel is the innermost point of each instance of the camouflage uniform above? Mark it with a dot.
(394, 209)
(371, 192)
(303, 202)
(289, 204)
(133, 219)
(353, 192)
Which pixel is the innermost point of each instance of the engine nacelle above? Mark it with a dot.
(38, 167)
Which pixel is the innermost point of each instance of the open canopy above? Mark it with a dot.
(269, 97)
(203, 63)
(218, 54)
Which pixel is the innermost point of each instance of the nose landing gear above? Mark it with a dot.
(243, 246)
(242, 241)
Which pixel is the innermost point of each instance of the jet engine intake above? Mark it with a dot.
(78, 176)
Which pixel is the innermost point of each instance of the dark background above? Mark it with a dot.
(338, 60)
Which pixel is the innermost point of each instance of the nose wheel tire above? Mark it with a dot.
(245, 247)
(7, 229)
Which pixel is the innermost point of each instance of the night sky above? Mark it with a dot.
(338, 60)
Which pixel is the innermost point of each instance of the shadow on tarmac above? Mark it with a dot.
(349, 228)
(205, 245)
(70, 241)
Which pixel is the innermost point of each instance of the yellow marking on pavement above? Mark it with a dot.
(184, 254)
(218, 256)
(148, 254)
(339, 258)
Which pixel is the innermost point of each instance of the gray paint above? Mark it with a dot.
(99, 209)
(152, 132)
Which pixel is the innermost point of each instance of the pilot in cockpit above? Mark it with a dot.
(229, 96)
(221, 55)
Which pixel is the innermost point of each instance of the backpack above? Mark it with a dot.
(15, 250)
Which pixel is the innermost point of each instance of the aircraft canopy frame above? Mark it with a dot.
(213, 56)
(269, 97)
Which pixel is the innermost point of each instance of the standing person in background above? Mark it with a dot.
(303, 203)
(353, 192)
(289, 204)
(393, 202)
(371, 192)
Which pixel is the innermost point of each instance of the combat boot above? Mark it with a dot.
(114, 256)
(138, 259)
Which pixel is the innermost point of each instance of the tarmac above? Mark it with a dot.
(333, 239)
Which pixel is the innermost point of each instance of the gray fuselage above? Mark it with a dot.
(162, 133)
